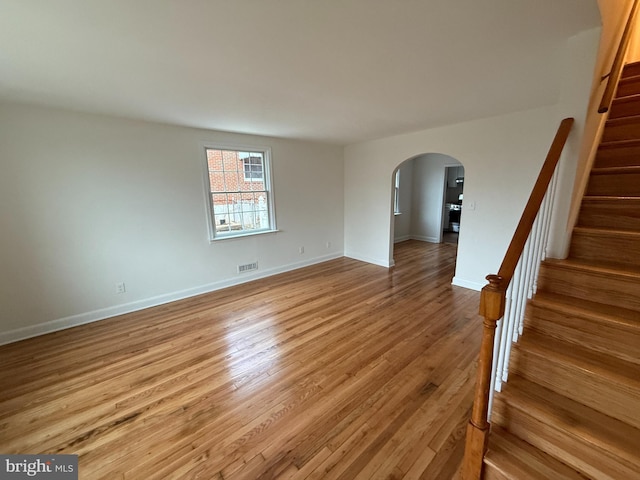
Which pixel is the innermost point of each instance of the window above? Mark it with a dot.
(396, 193)
(253, 167)
(239, 192)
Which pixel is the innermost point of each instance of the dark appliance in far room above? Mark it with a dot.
(453, 203)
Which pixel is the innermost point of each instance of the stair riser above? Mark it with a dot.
(613, 214)
(605, 337)
(623, 156)
(604, 394)
(561, 445)
(625, 107)
(616, 250)
(619, 184)
(631, 70)
(621, 130)
(628, 86)
(615, 290)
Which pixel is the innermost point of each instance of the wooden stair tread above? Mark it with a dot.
(632, 169)
(627, 98)
(616, 144)
(595, 363)
(516, 459)
(628, 272)
(630, 120)
(575, 419)
(629, 78)
(611, 198)
(610, 313)
(606, 232)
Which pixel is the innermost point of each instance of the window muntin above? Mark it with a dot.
(239, 192)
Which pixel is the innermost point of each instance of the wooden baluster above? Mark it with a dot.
(492, 301)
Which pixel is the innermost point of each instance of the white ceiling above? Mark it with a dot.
(338, 71)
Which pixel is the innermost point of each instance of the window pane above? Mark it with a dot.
(230, 161)
(214, 159)
(253, 167)
(219, 198)
(256, 185)
(222, 223)
(217, 181)
(262, 203)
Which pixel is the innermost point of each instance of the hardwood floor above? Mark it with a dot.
(342, 370)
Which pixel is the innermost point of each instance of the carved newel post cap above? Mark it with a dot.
(494, 281)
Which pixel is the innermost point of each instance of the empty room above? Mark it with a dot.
(319, 240)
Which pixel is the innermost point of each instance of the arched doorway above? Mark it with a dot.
(426, 189)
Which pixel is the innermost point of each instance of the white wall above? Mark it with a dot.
(87, 201)
(502, 157)
(574, 102)
(606, 39)
(428, 195)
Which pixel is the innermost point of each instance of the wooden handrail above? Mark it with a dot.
(523, 230)
(618, 62)
(492, 306)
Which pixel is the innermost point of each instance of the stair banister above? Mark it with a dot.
(493, 299)
(618, 62)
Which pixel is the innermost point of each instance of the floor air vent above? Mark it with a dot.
(247, 267)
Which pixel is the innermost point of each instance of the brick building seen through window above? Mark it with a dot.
(239, 193)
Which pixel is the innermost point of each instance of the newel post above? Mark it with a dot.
(492, 301)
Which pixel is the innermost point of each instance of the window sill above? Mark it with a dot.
(241, 235)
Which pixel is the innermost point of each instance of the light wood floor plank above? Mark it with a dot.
(341, 370)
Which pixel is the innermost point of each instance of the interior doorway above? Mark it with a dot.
(452, 205)
(422, 188)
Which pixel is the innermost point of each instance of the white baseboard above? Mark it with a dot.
(461, 282)
(364, 258)
(101, 314)
(425, 239)
(403, 238)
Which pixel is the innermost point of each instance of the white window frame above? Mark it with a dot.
(268, 185)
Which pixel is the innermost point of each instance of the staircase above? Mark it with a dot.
(571, 407)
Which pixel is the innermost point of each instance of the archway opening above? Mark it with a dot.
(427, 199)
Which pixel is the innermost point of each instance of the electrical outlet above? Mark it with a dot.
(328, 244)
(120, 288)
(301, 250)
